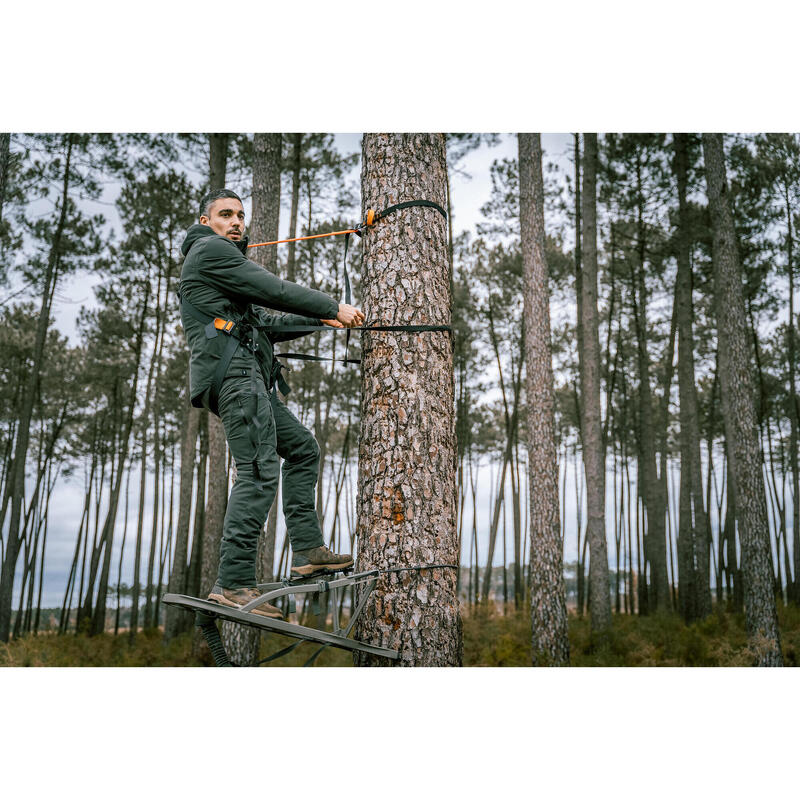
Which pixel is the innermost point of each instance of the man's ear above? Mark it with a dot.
(204, 220)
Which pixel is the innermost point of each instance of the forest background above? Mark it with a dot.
(104, 215)
(669, 94)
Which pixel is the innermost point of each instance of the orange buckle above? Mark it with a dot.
(223, 324)
(370, 217)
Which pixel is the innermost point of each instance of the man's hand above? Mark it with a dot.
(334, 323)
(349, 316)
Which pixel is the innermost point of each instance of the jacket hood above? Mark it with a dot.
(199, 231)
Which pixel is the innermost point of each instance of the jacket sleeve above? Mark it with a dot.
(223, 266)
(286, 319)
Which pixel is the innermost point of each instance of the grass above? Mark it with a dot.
(490, 640)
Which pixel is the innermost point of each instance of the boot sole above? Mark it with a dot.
(318, 569)
(223, 601)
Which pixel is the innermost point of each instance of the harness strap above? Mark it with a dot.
(407, 204)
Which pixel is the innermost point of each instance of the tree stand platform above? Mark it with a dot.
(320, 590)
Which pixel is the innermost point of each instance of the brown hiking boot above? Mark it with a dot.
(236, 598)
(319, 559)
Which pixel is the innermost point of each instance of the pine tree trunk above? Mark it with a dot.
(217, 500)
(694, 524)
(739, 413)
(242, 643)
(297, 152)
(5, 146)
(794, 588)
(196, 558)
(550, 643)
(593, 451)
(406, 477)
(176, 618)
(651, 486)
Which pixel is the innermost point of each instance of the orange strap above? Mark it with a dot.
(303, 238)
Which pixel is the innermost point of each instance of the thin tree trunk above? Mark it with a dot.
(593, 452)
(550, 642)
(694, 524)
(175, 621)
(5, 147)
(794, 589)
(217, 500)
(295, 162)
(196, 559)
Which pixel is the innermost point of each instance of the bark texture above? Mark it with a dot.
(406, 515)
(739, 414)
(550, 643)
(242, 643)
(217, 448)
(264, 228)
(594, 460)
(176, 620)
(5, 147)
(693, 534)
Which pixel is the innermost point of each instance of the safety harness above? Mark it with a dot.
(243, 333)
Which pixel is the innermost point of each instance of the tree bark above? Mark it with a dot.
(406, 478)
(176, 618)
(550, 642)
(296, 158)
(242, 643)
(5, 147)
(794, 585)
(739, 414)
(217, 499)
(694, 537)
(217, 447)
(651, 485)
(593, 450)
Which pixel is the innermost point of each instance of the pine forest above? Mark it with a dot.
(592, 460)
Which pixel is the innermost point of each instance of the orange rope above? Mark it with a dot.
(303, 238)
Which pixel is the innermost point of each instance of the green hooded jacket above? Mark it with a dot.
(218, 280)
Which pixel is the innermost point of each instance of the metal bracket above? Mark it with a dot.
(290, 588)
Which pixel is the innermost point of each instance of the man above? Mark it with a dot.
(232, 372)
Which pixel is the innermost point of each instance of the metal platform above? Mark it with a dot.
(317, 586)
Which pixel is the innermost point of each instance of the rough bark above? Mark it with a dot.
(242, 643)
(5, 145)
(176, 618)
(739, 415)
(794, 584)
(217, 499)
(550, 643)
(217, 448)
(594, 459)
(296, 158)
(693, 534)
(406, 514)
(266, 198)
(651, 486)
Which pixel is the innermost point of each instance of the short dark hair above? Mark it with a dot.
(217, 194)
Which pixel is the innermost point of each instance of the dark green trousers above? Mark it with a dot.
(259, 428)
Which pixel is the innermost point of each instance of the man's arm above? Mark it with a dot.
(284, 320)
(223, 266)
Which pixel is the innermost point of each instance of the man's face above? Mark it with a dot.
(225, 217)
